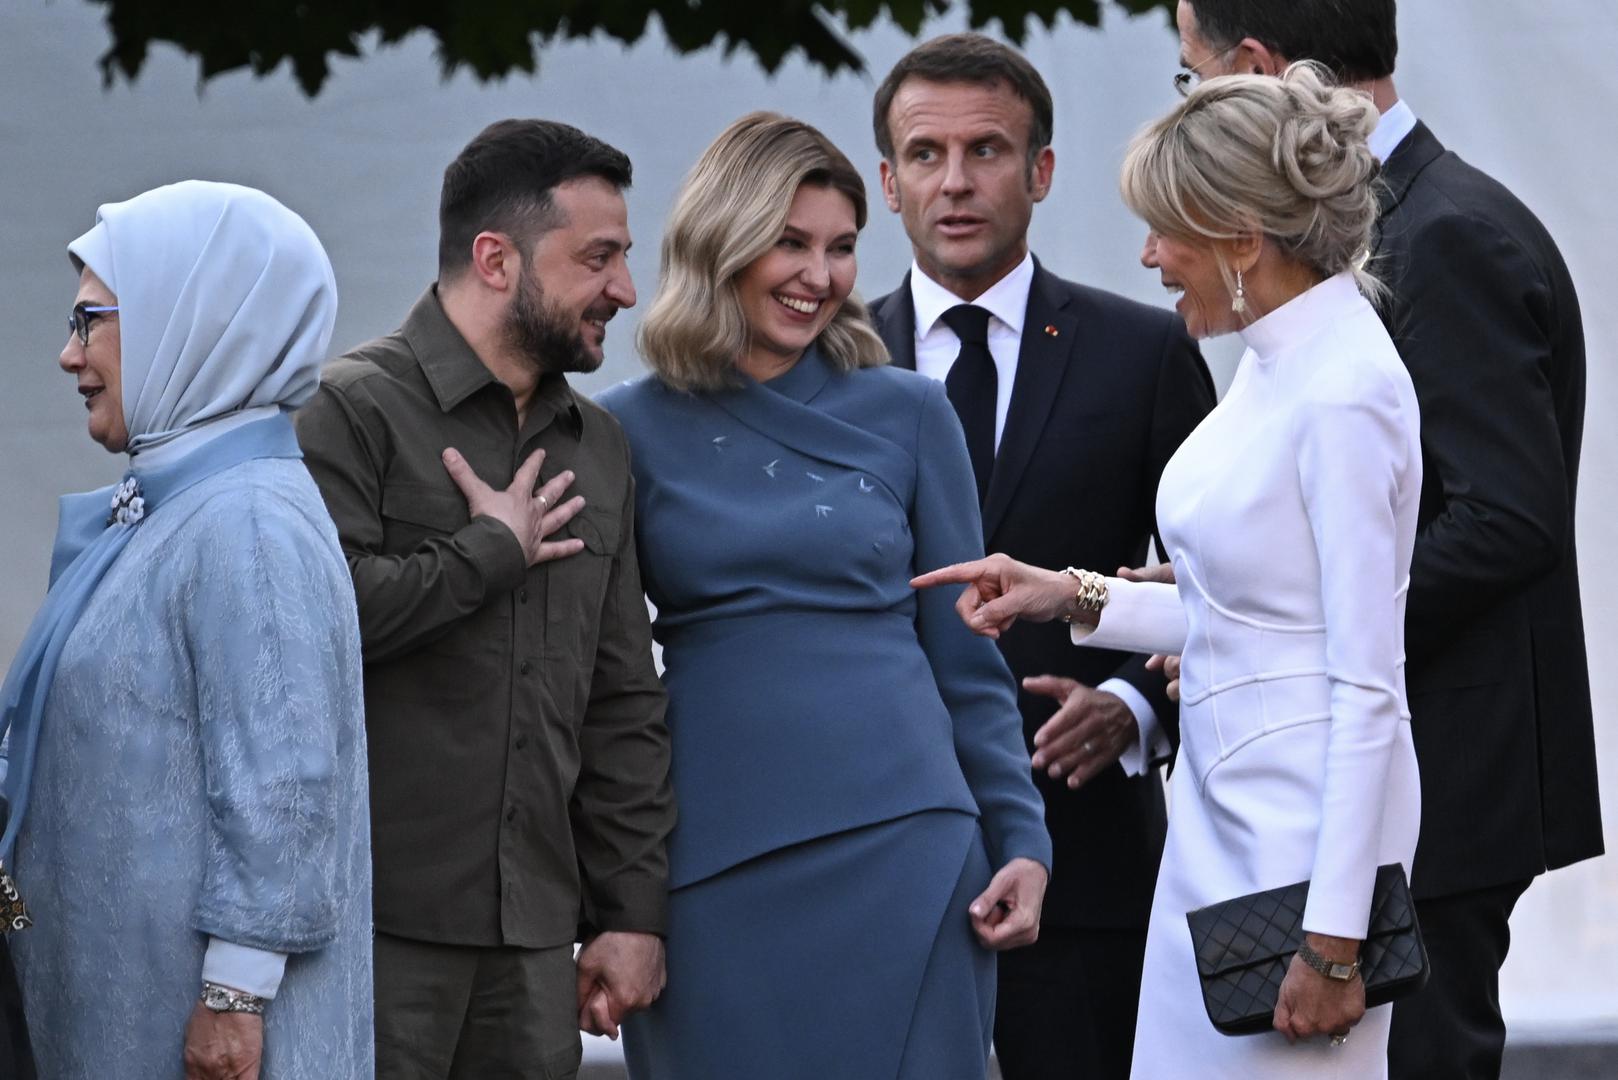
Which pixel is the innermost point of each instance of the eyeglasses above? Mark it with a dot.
(82, 315)
(1184, 80)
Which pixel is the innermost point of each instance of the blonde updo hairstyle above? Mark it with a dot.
(1283, 157)
(730, 210)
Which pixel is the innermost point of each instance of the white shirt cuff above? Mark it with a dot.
(244, 968)
(1140, 617)
(1152, 746)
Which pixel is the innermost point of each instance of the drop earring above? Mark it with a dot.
(1238, 303)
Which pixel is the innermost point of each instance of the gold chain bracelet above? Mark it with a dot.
(1091, 594)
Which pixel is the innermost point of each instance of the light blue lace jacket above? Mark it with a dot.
(202, 773)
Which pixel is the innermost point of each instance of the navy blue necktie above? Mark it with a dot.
(972, 385)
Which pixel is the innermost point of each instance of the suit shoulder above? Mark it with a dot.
(1454, 196)
(1122, 313)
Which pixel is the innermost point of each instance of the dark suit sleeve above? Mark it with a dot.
(1477, 355)
(1185, 394)
(972, 677)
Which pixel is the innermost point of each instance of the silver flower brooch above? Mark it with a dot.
(128, 508)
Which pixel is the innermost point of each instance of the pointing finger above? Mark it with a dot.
(958, 574)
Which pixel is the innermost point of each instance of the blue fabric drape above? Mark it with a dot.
(89, 540)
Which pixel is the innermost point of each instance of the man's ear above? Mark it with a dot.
(1039, 179)
(1253, 57)
(890, 184)
(496, 263)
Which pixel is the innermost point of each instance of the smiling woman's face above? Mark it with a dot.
(98, 366)
(790, 293)
(1192, 270)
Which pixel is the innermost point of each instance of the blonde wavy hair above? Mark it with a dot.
(1285, 157)
(730, 210)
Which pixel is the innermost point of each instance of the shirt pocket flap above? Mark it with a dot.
(418, 504)
(599, 532)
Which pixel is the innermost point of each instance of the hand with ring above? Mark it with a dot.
(1311, 1004)
(530, 515)
(1088, 732)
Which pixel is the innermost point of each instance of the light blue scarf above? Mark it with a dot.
(226, 304)
(95, 527)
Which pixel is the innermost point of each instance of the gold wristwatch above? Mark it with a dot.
(1329, 968)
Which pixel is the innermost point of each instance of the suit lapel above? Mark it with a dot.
(1041, 362)
(895, 318)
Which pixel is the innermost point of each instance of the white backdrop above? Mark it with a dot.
(1523, 90)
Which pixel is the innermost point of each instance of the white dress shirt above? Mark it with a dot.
(936, 348)
(1391, 129)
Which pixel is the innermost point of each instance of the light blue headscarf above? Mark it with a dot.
(226, 303)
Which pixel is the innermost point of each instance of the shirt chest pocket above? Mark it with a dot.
(576, 586)
(414, 514)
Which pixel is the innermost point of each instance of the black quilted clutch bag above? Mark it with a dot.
(1244, 946)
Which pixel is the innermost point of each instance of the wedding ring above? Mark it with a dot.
(1339, 1040)
(1089, 746)
(544, 503)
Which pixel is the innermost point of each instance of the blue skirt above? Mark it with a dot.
(850, 956)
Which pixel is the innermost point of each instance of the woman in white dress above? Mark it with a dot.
(1289, 514)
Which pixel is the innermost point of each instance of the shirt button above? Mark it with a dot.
(525, 667)
(511, 814)
(522, 596)
(522, 741)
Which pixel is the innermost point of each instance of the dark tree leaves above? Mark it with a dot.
(494, 38)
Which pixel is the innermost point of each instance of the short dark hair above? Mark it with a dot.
(504, 178)
(1356, 39)
(968, 58)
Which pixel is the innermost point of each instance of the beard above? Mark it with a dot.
(544, 334)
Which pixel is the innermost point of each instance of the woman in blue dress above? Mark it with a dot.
(186, 751)
(858, 825)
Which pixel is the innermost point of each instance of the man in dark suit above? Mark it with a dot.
(1072, 400)
(1484, 314)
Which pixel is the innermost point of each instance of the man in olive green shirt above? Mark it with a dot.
(519, 761)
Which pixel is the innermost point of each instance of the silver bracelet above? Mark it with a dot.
(222, 999)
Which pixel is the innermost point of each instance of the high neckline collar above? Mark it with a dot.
(803, 380)
(1301, 318)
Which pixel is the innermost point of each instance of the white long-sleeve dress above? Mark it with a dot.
(1290, 515)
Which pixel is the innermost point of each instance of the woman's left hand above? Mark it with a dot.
(1007, 914)
(1310, 1004)
(223, 1045)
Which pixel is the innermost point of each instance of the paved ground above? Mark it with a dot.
(1584, 1061)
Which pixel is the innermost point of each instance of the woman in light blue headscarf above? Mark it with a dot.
(186, 751)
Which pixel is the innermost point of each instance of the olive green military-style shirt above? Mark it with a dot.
(519, 760)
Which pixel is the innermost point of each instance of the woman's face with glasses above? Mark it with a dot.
(93, 358)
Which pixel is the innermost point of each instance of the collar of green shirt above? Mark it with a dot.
(454, 371)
